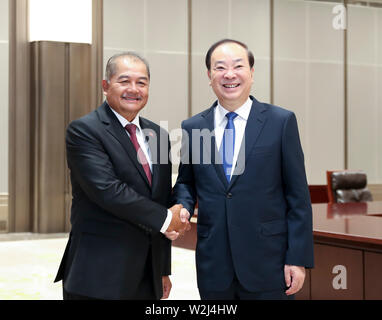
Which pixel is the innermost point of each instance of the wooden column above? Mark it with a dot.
(66, 83)
(60, 94)
(97, 53)
(19, 118)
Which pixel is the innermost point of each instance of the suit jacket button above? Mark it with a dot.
(229, 195)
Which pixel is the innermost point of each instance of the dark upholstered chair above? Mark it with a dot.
(347, 186)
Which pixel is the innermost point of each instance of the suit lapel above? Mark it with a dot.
(217, 162)
(114, 127)
(255, 123)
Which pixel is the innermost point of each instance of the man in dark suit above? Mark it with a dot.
(254, 223)
(121, 184)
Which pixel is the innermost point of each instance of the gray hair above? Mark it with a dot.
(111, 65)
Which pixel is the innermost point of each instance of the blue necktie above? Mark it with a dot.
(228, 144)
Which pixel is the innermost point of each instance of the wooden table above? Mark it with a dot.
(347, 251)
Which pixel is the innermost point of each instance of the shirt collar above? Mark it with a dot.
(124, 122)
(242, 112)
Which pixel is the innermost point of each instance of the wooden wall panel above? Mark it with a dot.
(28, 131)
(373, 279)
(97, 54)
(79, 102)
(61, 93)
(3, 212)
(79, 77)
(338, 273)
(49, 103)
(19, 182)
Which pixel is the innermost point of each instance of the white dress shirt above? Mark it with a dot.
(146, 150)
(240, 122)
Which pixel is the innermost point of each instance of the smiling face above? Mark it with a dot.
(127, 90)
(231, 75)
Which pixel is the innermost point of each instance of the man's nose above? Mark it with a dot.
(132, 87)
(229, 74)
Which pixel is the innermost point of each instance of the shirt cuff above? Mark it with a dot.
(167, 221)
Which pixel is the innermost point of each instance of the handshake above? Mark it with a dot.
(179, 223)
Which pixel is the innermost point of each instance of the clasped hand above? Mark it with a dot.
(179, 222)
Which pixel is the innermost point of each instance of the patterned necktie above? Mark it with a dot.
(131, 129)
(228, 144)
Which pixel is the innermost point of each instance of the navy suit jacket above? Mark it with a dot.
(116, 216)
(262, 219)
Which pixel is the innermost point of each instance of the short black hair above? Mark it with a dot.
(251, 58)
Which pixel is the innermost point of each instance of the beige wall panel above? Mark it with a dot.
(250, 23)
(324, 42)
(202, 94)
(308, 79)
(211, 15)
(4, 13)
(290, 90)
(379, 123)
(166, 49)
(168, 99)
(124, 24)
(4, 49)
(325, 76)
(4, 116)
(364, 42)
(324, 149)
(289, 29)
(261, 80)
(379, 36)
(166, 26)
(290, 67)
(168, 89)
(362, 34)
(363, 121)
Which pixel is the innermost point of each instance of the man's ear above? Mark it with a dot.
(209, 75)
(105, 87)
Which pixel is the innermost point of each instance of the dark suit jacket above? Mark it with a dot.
(262, 219)
(116, 216)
